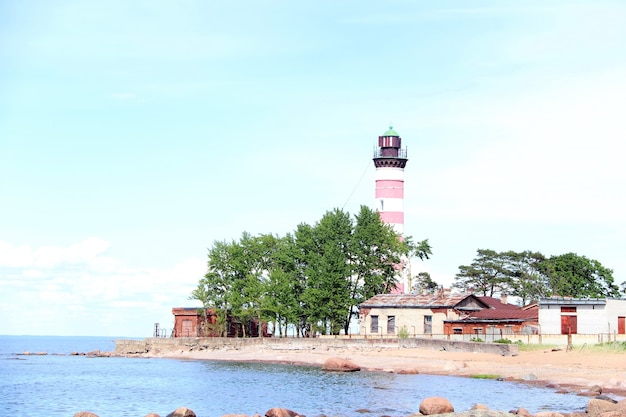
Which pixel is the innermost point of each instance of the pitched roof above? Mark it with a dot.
(436, 300)
(497, 303)
(504, 314)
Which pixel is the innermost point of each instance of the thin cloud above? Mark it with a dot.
(70, 279)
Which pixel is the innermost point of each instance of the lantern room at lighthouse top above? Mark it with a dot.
(390, 145)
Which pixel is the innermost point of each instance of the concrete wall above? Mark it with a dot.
(591, 319)
(165, 345)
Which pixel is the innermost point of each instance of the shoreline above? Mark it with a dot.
(564, 371)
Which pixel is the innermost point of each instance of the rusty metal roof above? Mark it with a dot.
(436, 300)
(504, 314)
(497, 303)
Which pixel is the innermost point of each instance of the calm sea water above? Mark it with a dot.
(60, 385)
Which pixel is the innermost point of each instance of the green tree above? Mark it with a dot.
(423, 282)
(250, 260)
(326, 255)
(313, 279)
(284, 287)
(527, 281)
(486, 274)
(571, 275)
(377, 254)
(215, 288)
(421, 249)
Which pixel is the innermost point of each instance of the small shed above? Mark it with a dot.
(193, 322)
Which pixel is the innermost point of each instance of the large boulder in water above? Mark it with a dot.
(596, 407)
(340, 365)
(281, 412)
(182, 412)
(435, 405)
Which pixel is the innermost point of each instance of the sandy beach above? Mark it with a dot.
(574, 370)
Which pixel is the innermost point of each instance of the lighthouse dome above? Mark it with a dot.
(391, 132)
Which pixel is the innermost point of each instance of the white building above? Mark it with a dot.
(559, 315)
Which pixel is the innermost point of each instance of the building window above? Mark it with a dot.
(478, 330)
(568, 309)
(374, 328)
(457, 330)
(391, 324)
(428, 324)
(508, 329)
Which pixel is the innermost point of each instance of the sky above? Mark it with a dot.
(135, 134)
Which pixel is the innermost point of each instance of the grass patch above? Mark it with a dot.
(602, 347)
(485, 376)
(608, 347)
(523, 347)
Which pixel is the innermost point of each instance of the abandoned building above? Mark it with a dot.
(444, 313)
(200, 322)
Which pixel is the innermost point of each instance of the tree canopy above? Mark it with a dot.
(531, 276)
(312, 279)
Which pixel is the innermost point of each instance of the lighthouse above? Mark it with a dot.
(390, 160)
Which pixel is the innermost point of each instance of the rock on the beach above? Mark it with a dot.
(605, 398)
(340, 365)
(409, 371)
(182, 412)
(614, 413)
(592, 391)
(596, 407)
(280, 412)
(548, 414)
(523, 412)
(436, 405)
(85, 414)
(152, 415)
(480, 407)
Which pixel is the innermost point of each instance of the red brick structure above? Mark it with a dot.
(193, 322)
(199, 322)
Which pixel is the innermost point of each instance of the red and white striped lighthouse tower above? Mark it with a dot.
(390, 160)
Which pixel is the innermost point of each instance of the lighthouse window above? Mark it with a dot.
(382, 205)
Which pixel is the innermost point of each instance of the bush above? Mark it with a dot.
(403, 333)
(505, 341)
(485, 376)
(476, 339)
